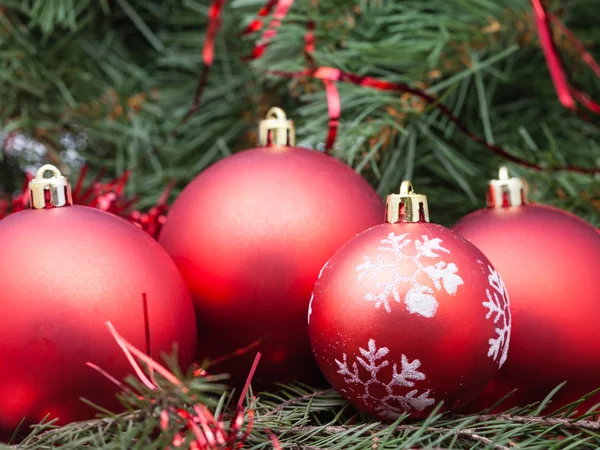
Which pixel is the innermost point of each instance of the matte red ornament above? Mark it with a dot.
(250, 235)
(64, 272)
(550, 262)
(408, 314)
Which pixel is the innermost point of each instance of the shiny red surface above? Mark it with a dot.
(64, 272)
(550, 262)
(250, 235)
(452, 346)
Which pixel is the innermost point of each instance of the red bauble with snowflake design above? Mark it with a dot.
(408, 314)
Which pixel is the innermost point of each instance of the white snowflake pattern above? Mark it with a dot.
(419, 299)
(312, 297)
(392, 405)
(498, 306)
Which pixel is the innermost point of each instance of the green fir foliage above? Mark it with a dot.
(301, 418)
(124, 73)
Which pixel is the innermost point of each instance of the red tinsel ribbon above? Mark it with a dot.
(18, 202)
(110, 197)
(207, 431)
(106, 196)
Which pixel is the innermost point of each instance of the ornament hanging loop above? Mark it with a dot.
(506, 191)
(276, 130)
(406, 206)
(54, 191)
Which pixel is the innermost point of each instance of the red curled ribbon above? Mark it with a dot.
(208, 53)
(557, 72)
(281, 9)
(334, 102)
(258, 21)
(309, 39)
(567, 94)
(330, 74)
(334, 109)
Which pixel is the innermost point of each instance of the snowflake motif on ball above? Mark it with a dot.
(312, 296)
(392, 405)
(498, 306)
(419, 299)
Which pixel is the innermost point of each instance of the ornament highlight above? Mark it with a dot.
(408, 314)
(65, 271)
(550, 261)
(250, 235)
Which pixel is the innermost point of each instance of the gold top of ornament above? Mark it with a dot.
(53, 191)
(406, 206)
(276, 129)
(506, 191)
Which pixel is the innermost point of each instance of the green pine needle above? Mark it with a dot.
(304, 418)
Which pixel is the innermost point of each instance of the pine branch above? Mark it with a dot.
(544, 421)
(297, 400)
(504, 431)
(166, 408)
(91, 78)
(466, 433)
(504, 95)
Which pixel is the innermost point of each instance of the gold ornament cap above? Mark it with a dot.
(406, 207)
(53, 191)
(506, 191)
(276, 130)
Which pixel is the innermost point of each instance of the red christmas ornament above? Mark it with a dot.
(550, 261)
(250, 235)
(408, 314)
(65, 271)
